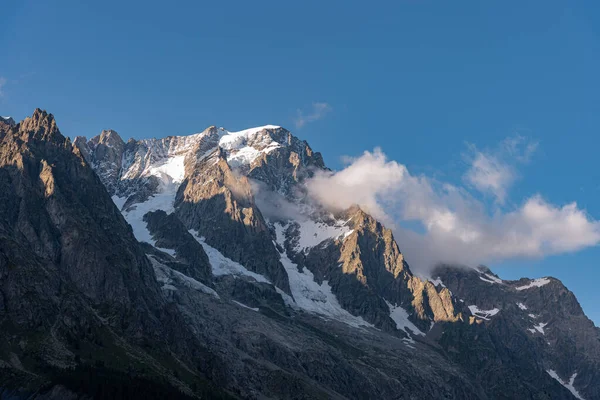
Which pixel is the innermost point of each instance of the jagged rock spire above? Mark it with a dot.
(41, 126)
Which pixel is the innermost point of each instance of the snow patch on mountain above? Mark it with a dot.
(119, 201)
(437, 282)
(568, 385)
(484, 276)
(222, 265)
(522, 306)
(135, 214)
(309, 295)
(170, 170)
(400, 317)
(483, 314)
(173, 145)
(538, 328)
(162, 158)
(245, 306)
(172, 279)
(313, 233)
(535, 283)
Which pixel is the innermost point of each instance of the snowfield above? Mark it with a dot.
(400, 317)
(538, 328)
(483, 314)
(239, 152)
(535, 283)
(309, 295)
(568, 385)
(222, 265)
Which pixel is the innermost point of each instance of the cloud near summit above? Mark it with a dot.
(318, 111)
(492, 172)
(452, 225)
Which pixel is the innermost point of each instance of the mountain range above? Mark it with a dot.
(200, 267)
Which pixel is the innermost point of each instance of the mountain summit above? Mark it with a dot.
(197, 266)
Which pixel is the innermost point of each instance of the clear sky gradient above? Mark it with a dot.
(423, 80)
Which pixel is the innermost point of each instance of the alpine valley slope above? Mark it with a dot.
(238, 285)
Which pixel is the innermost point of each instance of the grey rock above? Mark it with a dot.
(219, 204)
(170, 233)
(569, 344)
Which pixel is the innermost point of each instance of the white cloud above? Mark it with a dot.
(319, 110)
(519, 147)
(490, 175)
(2, 84)
(493, 172)
(456, 227)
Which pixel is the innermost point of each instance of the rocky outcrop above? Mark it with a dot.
(218, 204)
(47, 210)
(538, 323)
(368, 273)
(283, 169)
(169, 233)
(8, 121)
(76, 288)
(106, 152)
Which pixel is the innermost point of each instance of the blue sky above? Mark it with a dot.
(434, 84)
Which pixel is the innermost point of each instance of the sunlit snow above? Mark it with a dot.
(522, 306)
(239, 152)
(312, 233)
(170, 170)
(309, 295)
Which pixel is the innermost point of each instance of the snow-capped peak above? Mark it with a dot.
(165, 160)
(245, 146)
(250, 131)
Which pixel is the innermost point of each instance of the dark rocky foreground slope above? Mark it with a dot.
(209, 274)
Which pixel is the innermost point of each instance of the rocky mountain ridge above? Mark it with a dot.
(267, 287)
(216, 199)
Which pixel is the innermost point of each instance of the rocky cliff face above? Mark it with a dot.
(218, 204)
(533, 321)
(197, 266)
(77, 290)
(7, 120)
